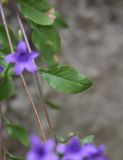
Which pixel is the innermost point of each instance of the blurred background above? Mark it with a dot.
(93, 44)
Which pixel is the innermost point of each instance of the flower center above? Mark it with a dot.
(85, 158)
(23, 57)
(73, 148)
(41, 152)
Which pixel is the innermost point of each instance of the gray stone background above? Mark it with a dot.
(93, 43)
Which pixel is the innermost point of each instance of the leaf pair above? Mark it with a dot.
(45, 37)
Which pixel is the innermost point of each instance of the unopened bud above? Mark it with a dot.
(20, 35)
(71, 134)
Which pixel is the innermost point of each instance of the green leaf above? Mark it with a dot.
(52, 104)
(3, 38)
(3, 63)
(36, 16)
(47, 41)
(66, 79)
(6, 88)
(47, 35)
(4, 45)
(59, 21)
(62, 140)
(17, 132)
(42, 5)
(13, 157)
(1, 56)
(87, 139)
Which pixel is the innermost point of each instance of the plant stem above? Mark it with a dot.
(3, 148)
(1, 145)
(34, 108)
(22, 78)
(37, 80)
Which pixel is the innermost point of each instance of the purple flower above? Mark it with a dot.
(91, 152)
(40, 150)
(75, 151)
(72, 150)
(1, 69)
(22, 59)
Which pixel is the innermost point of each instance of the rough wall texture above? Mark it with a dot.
(94, 44)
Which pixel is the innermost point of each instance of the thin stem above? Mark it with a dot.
(22, 78)
(3, 148)
(33, 107)
(37, 80)
(6, 27)
(1, 144)
(45, 110)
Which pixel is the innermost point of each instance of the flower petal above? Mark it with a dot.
(89, 150)
(74, 146)
(72, 157)
(10, 58)
(30, 66)
(101, 149)
(32, 156)
(49, 145)
(51, 156)
(61, 148)
(1, 69)
(35, 141)
(21, 47)
(18, 68)
(34, 54)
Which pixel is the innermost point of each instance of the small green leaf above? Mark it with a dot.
(36, 16)
(87, 139)
(3, 38)
(1, 56)
(47, 41)
(6, 66)
(42, 5)
(13, 157)
(66, 79)
(6, 88)
(59, 21)
(52, 104)
(62, 140)
(4, 45)
(17, 132)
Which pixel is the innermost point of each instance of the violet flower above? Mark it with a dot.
(91, 152)
(75, 151)
(22, 59)
(1, 70)
(40, 150)
(72, 150)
